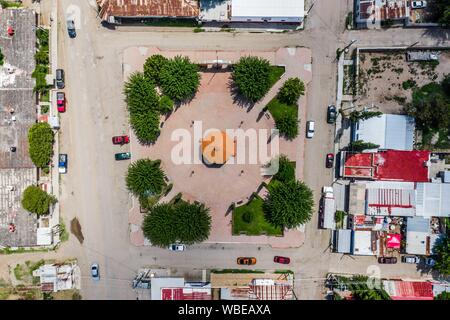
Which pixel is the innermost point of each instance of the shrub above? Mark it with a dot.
(179, 78)
(291, 91)
(165, 105)
(40, 139)
(286, 170)
(44, 109)
(287, 124)
(37, 201)
(153, 66)
(408, 84)
(145, 178)
(247, 216)
(251, 76)
(359, 146)
(2, 57)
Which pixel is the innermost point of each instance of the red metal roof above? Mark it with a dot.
(148, 8)
(184, 294)
(388, 165)
(411, 290)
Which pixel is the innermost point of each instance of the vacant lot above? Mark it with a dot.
(386, 79)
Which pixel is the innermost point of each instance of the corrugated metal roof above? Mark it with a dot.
(343, 241)
(267, 8)
(390, 202)
(433, 199)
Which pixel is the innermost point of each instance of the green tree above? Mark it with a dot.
(286, 170)
(193, 222)
(42, 57)
(289, 204)
(291, 91)
(40, 140)
(153, 66)
(443, 296)
(160, 225)
(37, 201)
(2, 57)
(359, 146)
(251, 76)
(446, 83)
(165, 105)
(356, 115)
(146, 126)
(287, 124)
(442, 251)
(179, 78)
(145, 177)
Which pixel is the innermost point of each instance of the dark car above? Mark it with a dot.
(120, 140)
(61, 101)
(331, 114)
(71, 28)
(330, 160)
(387, 260)
(246, 261)
(60, 79)
(123, 156)
(282, 260)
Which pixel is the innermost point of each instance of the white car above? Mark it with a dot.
(411, 259)
(177, 247)
(418, 4)
(310, 129)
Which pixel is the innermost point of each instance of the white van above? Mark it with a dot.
(310, 129)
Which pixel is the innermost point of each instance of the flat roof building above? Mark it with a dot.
(372, 12)
(433, 199)
(365, 243)
(267, 11)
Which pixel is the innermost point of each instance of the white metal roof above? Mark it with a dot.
(390, 202)
(267, 8)
(329, 211)
(164, 282)
(344, 240)
(433, 199)
(417, 231)
(362, 243)
(389, 131)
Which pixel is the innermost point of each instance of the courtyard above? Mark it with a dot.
(215, 107)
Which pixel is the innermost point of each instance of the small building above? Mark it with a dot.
(409, 290)
(365, 243)
(372, 12)
(433, 199)
(389, 131)
(56, 277)
(285, 11)
(418, 236)
(342, 240)
(172, 288)
(422, 56)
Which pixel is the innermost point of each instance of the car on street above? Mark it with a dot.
(246, 261)
(71, 29)
(430, 262)
(282, 260)
(95, 272)
(61, 101)
(62, 163)
(331, 114)
(123, 156)
(411, 259)
(310, 129)
(120, 140)
(177, 247)
(387, 260)
(418, 4)
(329, 160)
(60, 79)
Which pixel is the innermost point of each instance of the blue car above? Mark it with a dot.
(95, 272)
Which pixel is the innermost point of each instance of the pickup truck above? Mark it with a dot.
(62, 163)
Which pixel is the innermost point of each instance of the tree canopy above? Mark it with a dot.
(286, 170)
(291, 91)
(251, 76)
(363, 115)
(40, 140)
(37, 201)
(442, 250)
(183, 222)
(289, 204)
(153, 66)
(287, 124)
(145, 178)
(360, 145)
(179, 78)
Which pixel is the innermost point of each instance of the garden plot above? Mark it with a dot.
(386, 80)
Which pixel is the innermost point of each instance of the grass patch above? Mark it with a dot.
(6, 4)
(198, 30)
(169, 22)
(250, 219)
(63, 234)
(236, 271)
(8, 250)
(19, 272)
(285, 116)
(275, 74)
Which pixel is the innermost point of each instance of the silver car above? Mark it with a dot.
(177, 247)
(411, 259)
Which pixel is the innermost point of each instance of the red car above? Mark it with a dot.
(61, 101)
(282, 260)
(120, 140)
(330, 160)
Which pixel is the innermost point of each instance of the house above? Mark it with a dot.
(389, 131)
(418, 236)
(408, 290)
(365, 243)
(172, 288)
(370, 13)
(116, 11)
(57, 277)
(389, 165)
(285, 11)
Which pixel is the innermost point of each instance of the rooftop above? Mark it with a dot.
(364, 243)
(388, 9)
(148, 8)
(408, 290)
(267, 8)
(433, 199)
(418, 236)
(393, 165)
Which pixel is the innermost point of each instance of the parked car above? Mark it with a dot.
(246, 261)
(71, 28)
(418, 4)
(387, 260)
(430, 262)
(282, 260)
(331, 114)
(95, 272)
(330, 160)
(177, 247)
(60, 79)
(411, 259)
(62, 163)
(310, 129)
(61, 101)
(120, 140)
(123, 156)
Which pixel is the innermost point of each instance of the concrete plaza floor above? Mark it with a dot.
(214, 107)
